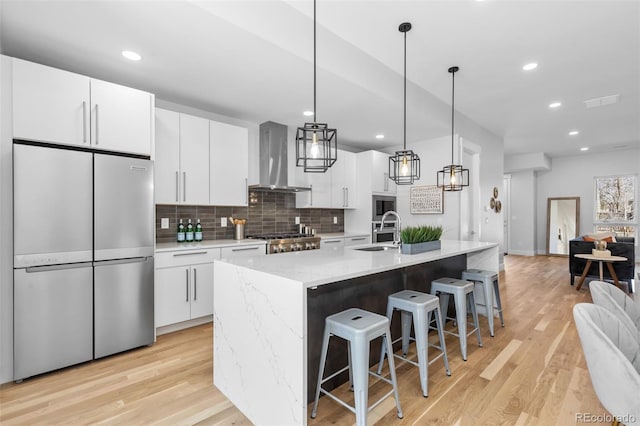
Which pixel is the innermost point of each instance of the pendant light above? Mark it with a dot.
(316, 143)
(404, 166)
(453, 177)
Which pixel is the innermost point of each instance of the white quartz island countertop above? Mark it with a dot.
(267, 326)
(317, 267)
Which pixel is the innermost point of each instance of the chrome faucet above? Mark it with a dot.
(396, 235)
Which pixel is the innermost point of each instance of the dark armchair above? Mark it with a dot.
(624, 246)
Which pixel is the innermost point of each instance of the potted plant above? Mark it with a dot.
(418, 239)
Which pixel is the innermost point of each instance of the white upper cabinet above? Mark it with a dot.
(321, 191)
(167, 160)
(120, 118)
(50, 105)
(343, 179)
(56, 106)
(229, 164)
(194, 159)
(182, 158)
(336, 188)
(380, 181)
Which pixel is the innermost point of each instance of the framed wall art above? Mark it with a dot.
(428, 199)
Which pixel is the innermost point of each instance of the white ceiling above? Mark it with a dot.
(253, 60)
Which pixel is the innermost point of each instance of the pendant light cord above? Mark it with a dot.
(315, 120)
(453, 91)
(405, 91)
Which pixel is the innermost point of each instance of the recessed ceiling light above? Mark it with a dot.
(308, 113)
(530, 66)
(573, 133)
(554, 104)
(380, 136)
(584, 148)
(131, 55)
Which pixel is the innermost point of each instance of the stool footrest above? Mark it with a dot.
(349, 407)
(334, 374)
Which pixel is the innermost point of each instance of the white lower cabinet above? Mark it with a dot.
(184, 285)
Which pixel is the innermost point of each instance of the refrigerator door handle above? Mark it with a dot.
(33, 269)
(121, 261)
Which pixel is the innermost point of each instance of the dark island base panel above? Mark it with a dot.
(369, 293)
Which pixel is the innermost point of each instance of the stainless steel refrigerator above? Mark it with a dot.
(83, 256)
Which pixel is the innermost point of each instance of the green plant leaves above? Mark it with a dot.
(420, 234)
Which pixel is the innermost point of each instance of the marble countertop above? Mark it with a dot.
(208, 244)
(317, 267)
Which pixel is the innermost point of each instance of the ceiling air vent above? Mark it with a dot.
(605, 100)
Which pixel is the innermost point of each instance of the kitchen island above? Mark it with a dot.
(269, 315)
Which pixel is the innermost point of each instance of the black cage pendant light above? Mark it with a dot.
(316, 143)
(404, 166)
(453, 177)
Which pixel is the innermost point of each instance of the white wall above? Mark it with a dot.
(573, 177)
(6, 221)
(523, 213)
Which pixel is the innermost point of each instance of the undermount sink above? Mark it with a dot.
(374, 248)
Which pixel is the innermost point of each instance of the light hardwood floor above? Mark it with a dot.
(531, 373)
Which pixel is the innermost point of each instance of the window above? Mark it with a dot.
(615, 205)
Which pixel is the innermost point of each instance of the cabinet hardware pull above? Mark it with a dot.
(311, 195)
(246, 191)
(344, 197)
(186, 285)
(358, 239)
(84, 122)
(195, 284)
(331, 241)
(189, 254)
(97, 124)
(177, 186)
(184, 186)
(347, 190)
(137, 168)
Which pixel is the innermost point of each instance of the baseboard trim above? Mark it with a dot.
(523, 252)
(182, 325)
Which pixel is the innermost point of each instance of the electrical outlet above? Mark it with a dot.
(223, 222)
(335, 220)
(297, 220)
(164, 223)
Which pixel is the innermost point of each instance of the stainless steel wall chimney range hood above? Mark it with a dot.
(273, 160)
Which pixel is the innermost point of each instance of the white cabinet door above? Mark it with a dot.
(228, 164)
(120, 118)
(167, 160)
(380, 181)
(194, 160)
(343, 178)
(50, 104)
(201, 290)
(320, 184)
(172, 302)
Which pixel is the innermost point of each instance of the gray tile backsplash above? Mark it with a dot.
(267, 212)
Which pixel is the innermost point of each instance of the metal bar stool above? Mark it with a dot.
(489, 282)
(358, 328)
(418, 306)
(462, 292)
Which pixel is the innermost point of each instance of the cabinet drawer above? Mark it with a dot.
(229, 252)
(352, 241)
(186, 257)
(331, 242)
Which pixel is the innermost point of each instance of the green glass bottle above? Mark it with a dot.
(181, 233)
(198, 233)
(189, 233)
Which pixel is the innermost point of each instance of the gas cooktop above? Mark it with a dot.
(283, 242)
